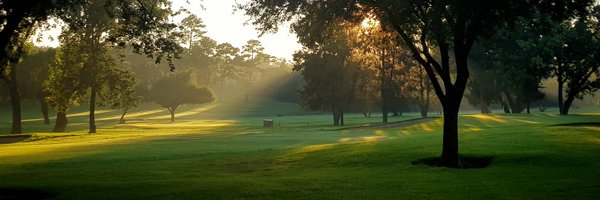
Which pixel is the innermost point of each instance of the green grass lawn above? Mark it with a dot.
(221, 151)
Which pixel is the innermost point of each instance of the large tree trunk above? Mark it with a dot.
(44, 109)
(61, 122)
(92, 119)
(450, 141)
(15, 99)
(451, 106)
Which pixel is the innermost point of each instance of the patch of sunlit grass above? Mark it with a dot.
(488, 118)
(474, 129)
(64, 144)
(526, 121)
(379, 132)
(140, 114)
(314, 148)
(192, 112)
(86, 113)
(425, 127)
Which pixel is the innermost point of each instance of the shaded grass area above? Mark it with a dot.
(216, 154)
(465, 162)
(584, 124)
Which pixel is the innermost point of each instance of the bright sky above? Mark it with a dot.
(223, 25)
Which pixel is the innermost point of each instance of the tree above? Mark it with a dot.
(202, 60)
(127, 97)
(329, 72)
(62, 85)
(31, 74)
(175, 90)
(507, 68)
(144, 25)
(576, 58)
(227, 60)
(419, 88)
(193, 31)
(18, 16)
(17, 49)
(450, 26)
(329, 83)
(253, 55)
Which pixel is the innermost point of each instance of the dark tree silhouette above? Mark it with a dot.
(451, 27)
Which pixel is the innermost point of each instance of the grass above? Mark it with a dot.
(222, 152)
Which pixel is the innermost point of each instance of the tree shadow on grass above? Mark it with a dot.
(466, 162)
(13, 139)
(24, 193)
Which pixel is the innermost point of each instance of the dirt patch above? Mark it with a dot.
(394, 125)
(13, 139)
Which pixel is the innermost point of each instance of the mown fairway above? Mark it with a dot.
(216, 153)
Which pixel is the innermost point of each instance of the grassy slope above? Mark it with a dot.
(223, 153)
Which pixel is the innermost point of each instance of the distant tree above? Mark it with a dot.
(420, 89)
(127, 97)
(329, 73)
(203, 60)
(506, 68)
(452, 27)
(483, 88)
(227, 61)
(329, 83)
(375, 47)
(367, 91)
(253, 55)
(193, 31)
(32, 72)
(176, 90)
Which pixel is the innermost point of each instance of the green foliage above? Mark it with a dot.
(192, 28)
(506, 67)
(176, 90)
(227, 60)
(33, 71)
(63, 84)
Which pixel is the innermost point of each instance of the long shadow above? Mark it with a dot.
(466, 162)
(24, 193)
(13, 139)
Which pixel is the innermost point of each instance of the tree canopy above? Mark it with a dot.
(447, 26)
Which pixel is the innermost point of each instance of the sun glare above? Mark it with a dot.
(370, 22)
